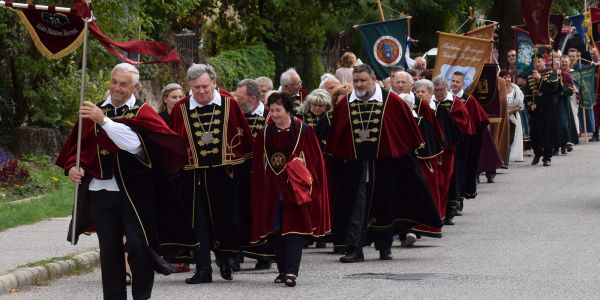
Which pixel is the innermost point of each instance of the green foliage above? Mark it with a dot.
(249, 62)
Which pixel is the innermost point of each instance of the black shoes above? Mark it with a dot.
(563, 150)
(449, 221)
(594, 139)
(290, 280)
(546, 162)
(226, 270)
(385, 254)
(353, 256)
(280, 278)
(536, 160)
(201, 276)
(263, 265)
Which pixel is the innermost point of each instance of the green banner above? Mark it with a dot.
(584, 79)
(385, 44)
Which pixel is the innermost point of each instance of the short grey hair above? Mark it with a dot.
(252, 88)
(363, 68)
(326, 76)
(196, 70)
(322, 84)
(286, 76)
(128, 68)
(439, 80)
(318, 96)
(264, 81)
(406, 74)
(424, 83)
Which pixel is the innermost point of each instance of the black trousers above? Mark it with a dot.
(114, 218)
(545, 153)
(288, 252)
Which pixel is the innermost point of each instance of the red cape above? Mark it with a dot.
(477, 115)
(399, 131)
(145, 122)
(309, 219)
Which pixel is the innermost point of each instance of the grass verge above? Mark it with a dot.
(57, 203)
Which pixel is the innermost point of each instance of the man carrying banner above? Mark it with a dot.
(124, 143)
(376, 181)
(543, 86)
(219, 141)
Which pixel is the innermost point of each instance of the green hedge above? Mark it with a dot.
(249, 62)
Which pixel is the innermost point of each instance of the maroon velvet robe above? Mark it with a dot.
(270, 182)
(460, 117)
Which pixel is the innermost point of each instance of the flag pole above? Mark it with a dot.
(78, 156)
(380, 10)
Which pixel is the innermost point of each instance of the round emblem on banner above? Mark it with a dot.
(387, 51)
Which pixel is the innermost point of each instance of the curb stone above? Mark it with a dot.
(28, 276)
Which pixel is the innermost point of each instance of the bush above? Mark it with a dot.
(249, 62)
(13, 175)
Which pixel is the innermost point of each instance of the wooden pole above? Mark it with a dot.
(585, 136)
(380, 10)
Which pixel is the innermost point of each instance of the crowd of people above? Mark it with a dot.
(262, 173)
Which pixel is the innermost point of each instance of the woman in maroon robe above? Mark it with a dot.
(276, 214)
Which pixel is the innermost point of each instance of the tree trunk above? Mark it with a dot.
(37, 141)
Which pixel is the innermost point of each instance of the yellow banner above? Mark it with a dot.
(461, 53)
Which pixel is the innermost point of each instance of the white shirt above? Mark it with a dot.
(124, 138)
(260, 109)
(216, 99)
(377, 96)
(460, 93)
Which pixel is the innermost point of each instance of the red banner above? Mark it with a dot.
(595, 18)
(536, 14)
(57, 34)
(54, 34)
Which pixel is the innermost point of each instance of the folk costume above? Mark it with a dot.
(277, 212)
(544, 132)
(429, 159)
(456, 127)
(218, 141)
(376, 181)
(320, 124)
(126, 191)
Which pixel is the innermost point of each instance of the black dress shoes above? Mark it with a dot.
(263, 265)
(201, 276)
(353, 257)
(536, 160)
(546, 163)
(385, 254)
(226, 270)
(449, 221)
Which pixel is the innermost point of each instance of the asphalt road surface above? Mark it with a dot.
(532, 234)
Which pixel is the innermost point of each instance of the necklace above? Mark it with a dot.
(364, 132)
(207, 135)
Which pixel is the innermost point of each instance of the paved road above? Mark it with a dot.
(42, 240)
(532, 234)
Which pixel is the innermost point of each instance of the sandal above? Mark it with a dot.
(280, 278)
(290, 280)
(127, 278)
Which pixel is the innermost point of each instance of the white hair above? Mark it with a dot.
(327, 79)
(326, 76)
(318, 96)
(424, 83)
(286, 76)
(128, 68)
(406, 74)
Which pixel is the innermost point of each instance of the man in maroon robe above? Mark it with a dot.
(377, 183)
(453, 159)
(479, 122)
(126, 151)
(218, 142)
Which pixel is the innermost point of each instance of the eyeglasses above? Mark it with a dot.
(511, 55)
